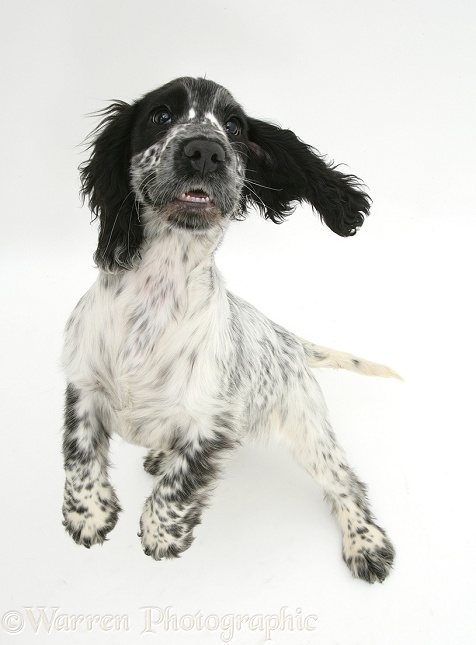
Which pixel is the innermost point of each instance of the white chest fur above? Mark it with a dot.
(149, 336)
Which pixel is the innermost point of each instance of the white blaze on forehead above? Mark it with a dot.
(192, 114)
(212, 118)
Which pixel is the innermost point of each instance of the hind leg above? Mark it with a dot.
(306, 429)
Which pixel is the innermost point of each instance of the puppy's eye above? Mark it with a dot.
(233, 127)
(161, 116)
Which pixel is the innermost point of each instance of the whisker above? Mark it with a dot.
(255, 183)
(239, 143)
(114, 225)
(148, 179)
(258, 197)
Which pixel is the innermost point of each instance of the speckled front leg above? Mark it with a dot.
(90, 507)
(186, 474)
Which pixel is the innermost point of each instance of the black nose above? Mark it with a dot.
(205, 156)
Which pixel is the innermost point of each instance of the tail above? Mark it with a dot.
(317, 356)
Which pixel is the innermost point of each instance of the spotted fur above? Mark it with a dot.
(159, 352)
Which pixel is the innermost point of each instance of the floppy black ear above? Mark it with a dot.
(282, 170)
(105, 182)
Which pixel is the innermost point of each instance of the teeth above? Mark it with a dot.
(185, 197)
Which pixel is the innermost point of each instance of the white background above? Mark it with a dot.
(387, 88)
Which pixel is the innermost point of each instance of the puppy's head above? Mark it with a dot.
(187, 156)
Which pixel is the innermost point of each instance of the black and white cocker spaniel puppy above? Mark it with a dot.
(161, 353)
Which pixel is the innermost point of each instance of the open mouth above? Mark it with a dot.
(198, 197)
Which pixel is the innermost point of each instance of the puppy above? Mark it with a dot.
(161, 353)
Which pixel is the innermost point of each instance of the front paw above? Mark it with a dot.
(368, 553)
(163, 536)
(90, 511)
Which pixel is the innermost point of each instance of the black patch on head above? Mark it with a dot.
(281, 170)
(145, 133)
